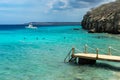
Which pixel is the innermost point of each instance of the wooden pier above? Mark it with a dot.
(99, 57)
(90, 58)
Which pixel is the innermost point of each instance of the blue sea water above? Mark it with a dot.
(38, 54)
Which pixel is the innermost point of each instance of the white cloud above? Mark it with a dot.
(60, 4)
(74, 4)
(22, 11)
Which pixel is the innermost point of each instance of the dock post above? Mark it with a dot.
(73, 51)
(72, 59)
(86, 48)
(109, 50)
(97, 52)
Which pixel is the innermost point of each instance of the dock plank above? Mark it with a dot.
(100, 57)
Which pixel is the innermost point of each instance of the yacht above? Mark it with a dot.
(31, 27)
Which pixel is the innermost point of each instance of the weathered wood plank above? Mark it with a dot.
(100, 57)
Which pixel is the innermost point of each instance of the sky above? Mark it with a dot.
(24, 11)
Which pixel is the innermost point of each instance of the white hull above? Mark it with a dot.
(31, 27)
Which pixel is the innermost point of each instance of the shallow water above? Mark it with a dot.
(27, 54)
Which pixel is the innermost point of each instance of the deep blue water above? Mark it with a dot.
(11, 27)
(38, 54)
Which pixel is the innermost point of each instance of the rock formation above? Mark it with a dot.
(105, 18)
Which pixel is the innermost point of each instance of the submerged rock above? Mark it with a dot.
(78, 78)
(76, 28)
(91, 31)
(105, 18)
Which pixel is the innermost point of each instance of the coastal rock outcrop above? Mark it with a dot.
(105, 18)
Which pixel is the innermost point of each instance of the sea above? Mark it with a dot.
(38, 54)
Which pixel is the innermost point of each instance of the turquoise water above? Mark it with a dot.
(28, 54)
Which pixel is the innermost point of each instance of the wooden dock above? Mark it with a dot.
(90, 58)
(99, 57)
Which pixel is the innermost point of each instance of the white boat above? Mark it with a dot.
(31, 27)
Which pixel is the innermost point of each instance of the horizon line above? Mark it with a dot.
(34, 22)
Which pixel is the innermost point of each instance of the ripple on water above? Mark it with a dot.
(42, 59)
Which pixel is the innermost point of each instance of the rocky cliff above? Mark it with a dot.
(105, 18)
